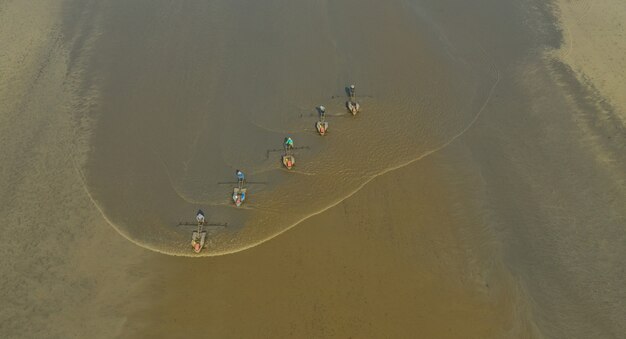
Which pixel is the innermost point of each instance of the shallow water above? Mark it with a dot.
(192, 92)
(168, 99)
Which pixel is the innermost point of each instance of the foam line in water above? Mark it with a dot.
(83, 182)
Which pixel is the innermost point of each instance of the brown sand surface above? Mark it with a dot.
(594, 45)
(65, 272)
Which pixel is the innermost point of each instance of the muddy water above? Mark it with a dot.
(549, 155)
(179, 95)
(193, 91)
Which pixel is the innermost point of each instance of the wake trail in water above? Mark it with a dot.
(495, 71)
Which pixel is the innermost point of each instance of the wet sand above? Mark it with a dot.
(501, 215)
(594, 46)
